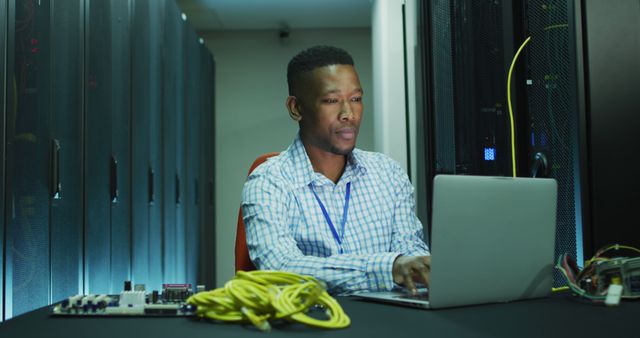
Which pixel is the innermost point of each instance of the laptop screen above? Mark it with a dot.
(492, 239)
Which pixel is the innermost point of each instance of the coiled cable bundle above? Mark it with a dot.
(260, 296)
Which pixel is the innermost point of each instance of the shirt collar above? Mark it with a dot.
(303, 170)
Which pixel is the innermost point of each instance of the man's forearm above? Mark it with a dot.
(343, 273)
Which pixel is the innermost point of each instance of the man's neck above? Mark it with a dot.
(328, 164)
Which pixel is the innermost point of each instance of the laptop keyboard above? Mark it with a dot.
(417, 296)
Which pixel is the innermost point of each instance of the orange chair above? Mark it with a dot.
(243, 262)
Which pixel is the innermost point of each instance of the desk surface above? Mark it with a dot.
(560, 315)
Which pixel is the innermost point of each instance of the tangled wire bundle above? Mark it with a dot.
(263, 296)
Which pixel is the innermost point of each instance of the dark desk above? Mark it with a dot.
(561, 315)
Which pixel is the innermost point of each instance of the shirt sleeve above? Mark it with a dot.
(408, 233)
(265, 204)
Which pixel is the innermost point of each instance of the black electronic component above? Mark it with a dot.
(176, 292)
(162, 309)
(154, 296)
(127, 285)
(189, 308)
(634, 284)
(621, 270)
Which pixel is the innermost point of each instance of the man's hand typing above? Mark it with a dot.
(409, 270)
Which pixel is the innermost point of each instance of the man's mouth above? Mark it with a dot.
(346, 133)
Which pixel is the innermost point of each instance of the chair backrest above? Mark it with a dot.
(243, 261)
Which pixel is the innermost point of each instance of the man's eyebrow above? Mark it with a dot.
(334, 91)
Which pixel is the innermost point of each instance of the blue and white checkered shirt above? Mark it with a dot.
(286, 229)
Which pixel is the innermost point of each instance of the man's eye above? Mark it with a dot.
(357, 99)
(330, 100)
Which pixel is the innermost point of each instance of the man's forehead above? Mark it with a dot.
(333, 72)
(322, 80)
(331, 69)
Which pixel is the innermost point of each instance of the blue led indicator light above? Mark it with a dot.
(533, 139)
(489, 154)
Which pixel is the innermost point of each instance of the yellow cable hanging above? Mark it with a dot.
(260, 296)
(511, 120)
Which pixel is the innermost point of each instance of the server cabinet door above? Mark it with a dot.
(181, 198)
(171, 109)
(551, 122)
(120, 144)
(141, 172)
(98, 159)
(156, 15)
(3, 88)
(192, 153)
(611, 33)
(27, 269)
(207, 127)
(146, 103)
(66, 148)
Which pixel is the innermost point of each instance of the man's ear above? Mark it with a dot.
(294, 108)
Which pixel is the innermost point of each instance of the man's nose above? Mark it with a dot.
(346, 113)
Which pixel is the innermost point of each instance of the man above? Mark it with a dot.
(323, 207)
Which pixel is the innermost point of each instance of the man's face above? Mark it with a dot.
(331, 109)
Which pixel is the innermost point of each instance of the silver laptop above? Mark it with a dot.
(492, 240)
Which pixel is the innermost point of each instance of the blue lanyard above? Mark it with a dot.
(326, 214)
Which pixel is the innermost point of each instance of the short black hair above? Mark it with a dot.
(312, 58)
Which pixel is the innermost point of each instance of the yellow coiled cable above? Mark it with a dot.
(260, 296)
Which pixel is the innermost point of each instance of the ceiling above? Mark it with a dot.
(208, 15)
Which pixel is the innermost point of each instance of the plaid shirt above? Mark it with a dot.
(286, 228)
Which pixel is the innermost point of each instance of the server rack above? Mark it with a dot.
(86, 185)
